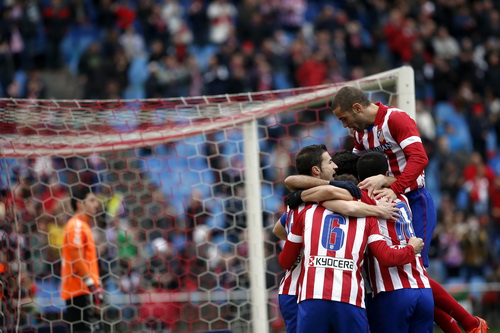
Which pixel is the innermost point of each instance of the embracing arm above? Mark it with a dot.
(297, 182)
(385, 210)
(325, 192)
(388, 256)
(279, 230)
(291, 251)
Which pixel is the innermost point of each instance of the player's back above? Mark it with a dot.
(334, 246)
(396, 234)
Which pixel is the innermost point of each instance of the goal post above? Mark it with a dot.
(190, 189)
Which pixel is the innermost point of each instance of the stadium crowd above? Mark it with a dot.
(146, 49)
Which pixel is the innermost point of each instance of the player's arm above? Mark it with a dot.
(405, 132)
(293, 245)
(76, 239)
(291, 251)
(388, 256)
(279, 227)
(79, 267)
(325, 192)
(298, 182)
(377, 182)
(385, 210)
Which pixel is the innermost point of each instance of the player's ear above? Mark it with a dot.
(356, 108)
(315, 170)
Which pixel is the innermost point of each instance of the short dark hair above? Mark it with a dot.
(346, 162)
(78, 193)
(347, 178)
(308, 157)
(371, 164)
(347, 96)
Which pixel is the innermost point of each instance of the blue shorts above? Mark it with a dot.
(424, 218)
(402, 310)
(289, 310)
(323, 316)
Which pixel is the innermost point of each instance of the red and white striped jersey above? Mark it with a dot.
(333, 253)
(395, 134)
(396, 234)
(289, 283)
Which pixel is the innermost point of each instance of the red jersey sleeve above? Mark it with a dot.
(386, 255)
(293, 244)
(405, 131)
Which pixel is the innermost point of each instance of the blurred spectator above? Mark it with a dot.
(449, 241)
(221, 14)
(475, 248)
(56, 19)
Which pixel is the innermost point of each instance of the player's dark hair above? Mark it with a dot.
(308, 157)
(78, 193)
(346, 162)
(372, 164)
(347, 96)
(347, 178)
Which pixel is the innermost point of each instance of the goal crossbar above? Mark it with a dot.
(68, 127)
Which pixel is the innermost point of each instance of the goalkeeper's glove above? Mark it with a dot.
(294, 200)
(353, 189)
(95, 291)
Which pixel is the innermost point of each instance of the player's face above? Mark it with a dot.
(350, 119)
(91, 205)
(328, 167)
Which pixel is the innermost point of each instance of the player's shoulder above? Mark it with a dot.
(395, 115)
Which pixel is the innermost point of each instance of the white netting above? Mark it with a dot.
(175, 235)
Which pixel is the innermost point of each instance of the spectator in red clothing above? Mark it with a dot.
(313, 71)
(478, 179)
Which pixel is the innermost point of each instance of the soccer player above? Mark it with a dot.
(331, 293)
(377, 127)
(324, 169)
(404, 289)
(80, 272)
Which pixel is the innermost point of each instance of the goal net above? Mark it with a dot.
(190, 189)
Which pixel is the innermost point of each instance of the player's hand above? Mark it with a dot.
(386, 193)
(417, 243)
(353, 189)
(389, 211)
(294, 200)
(96, 293)
(373, 183)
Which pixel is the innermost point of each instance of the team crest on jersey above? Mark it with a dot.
(380, 135)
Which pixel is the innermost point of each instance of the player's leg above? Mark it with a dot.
(391, 311)
(444, 301)
(77, 314)
(423, 218)
(289, 311)
(320, 316)
(313, 316)
(422, 320)
(447, 323)
(348, 318)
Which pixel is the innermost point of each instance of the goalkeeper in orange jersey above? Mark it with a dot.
(80, 271)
